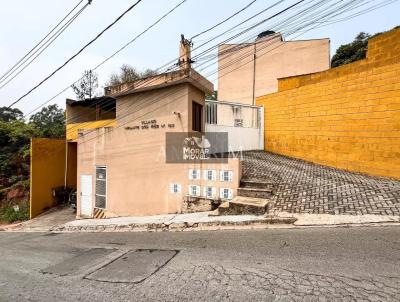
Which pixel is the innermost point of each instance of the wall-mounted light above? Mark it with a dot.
(178, 114)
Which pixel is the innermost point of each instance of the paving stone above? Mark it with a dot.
(304, 187)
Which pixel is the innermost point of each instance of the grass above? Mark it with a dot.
(9, 215)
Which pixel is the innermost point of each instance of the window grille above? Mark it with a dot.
(175, 188)
(226, 175)
(194, 174)
(209, 192)
(210, 175)
(211, 113)
(194, 190)
(101, 188)
(226, 193)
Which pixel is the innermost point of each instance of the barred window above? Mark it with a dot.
(101, 187)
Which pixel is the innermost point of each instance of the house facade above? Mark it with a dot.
(122, 168)
(249, 70)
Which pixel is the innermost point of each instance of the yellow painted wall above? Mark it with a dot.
(72, 129)
(346, 117)
(47, 171)
(72, 165)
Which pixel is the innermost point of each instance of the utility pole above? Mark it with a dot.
(254, 72)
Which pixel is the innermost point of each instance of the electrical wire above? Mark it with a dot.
(111, 56)
(41, 49)
(223, 21)
(76, 54)
(127, 91)
(119, 125)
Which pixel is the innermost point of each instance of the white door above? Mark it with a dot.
(86, 195)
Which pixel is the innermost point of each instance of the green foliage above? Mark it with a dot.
(14, 147)
(87, 86)
(9, 214)
(50, 122)
(354, 51)
(10, 114)
(212, 96)
(129, 74)
(15, 136)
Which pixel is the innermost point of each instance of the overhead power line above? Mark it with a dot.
(301, 27)
(113, 54)
(46, 40)
(77, 53)
(68, 86)
(39, 50)
(223, 21)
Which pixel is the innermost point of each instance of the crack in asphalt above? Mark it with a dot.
(288, 284)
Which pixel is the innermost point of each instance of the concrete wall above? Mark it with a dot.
(46, 172)
(274, 59)
(346, 117)
(239, 138)
(138, 179)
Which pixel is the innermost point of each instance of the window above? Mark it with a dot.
(226, 175)
(194, 190)
(101, 187)
(175, 188)
(209, 192)
(225, 193)
(194, 174)
(197, 116)
(210, 175)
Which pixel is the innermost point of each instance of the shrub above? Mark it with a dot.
(9, 215)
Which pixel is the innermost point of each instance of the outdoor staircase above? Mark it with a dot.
(254, 197)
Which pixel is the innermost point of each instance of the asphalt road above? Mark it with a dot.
(324, 264)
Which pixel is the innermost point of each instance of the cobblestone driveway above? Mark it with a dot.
(303, 187)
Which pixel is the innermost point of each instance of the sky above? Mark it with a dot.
(24, 23)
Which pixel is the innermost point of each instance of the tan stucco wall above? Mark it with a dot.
(274, 59)
(138, 178)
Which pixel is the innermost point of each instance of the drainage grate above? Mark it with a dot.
(134, 266)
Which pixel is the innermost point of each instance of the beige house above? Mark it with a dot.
(247, 71)
(121, 162)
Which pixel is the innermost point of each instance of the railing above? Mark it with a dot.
(232, 114)
(243, 123)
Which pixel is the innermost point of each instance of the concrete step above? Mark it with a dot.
(255, 183)
(254, 192)
(245, 206)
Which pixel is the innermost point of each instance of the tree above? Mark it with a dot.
(212, 96)
(14, 150)
(11, 114)
(129, 74)
(50, 121)
(86, 87)
(354, 51)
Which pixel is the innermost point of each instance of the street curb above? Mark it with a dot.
(178, 227)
